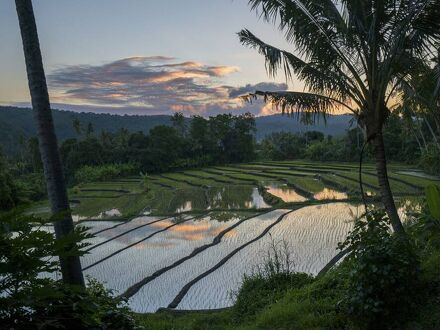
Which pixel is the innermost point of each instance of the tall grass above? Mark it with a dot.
(268, 282)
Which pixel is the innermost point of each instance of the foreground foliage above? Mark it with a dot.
(384, 273)
(30, 297)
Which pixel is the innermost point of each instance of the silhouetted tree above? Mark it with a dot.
(179, 124)
(351, 54)
(70, 266)
(77, 126)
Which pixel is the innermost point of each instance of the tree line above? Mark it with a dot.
(410, 140)
(200, 142)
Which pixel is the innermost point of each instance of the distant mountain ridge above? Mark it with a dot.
(334, 125)
(16, 123)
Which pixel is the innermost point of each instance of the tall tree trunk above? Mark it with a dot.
(382, 175)
(70, 266)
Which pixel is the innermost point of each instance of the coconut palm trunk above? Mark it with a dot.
(70, 266)
(384, 184)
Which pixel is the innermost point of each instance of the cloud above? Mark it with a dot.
(152, 85)
(263, 86)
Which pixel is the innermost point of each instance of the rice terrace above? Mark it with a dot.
(185, 239)
(220, 165)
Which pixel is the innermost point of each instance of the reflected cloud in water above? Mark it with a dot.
(328, 193)
(286, 194)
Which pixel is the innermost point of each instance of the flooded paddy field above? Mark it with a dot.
(185, 239)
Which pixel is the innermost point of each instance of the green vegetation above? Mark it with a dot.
(105, 172)
(430, 159)
(8, 188)
(315, 146)
(202, 142)
(383, 278)
(31, 301)
(16, 125)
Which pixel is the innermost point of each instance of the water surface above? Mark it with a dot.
(311, 235)
(285, 193)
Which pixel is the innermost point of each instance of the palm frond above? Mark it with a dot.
(318, 79)
(299, 102)
(349, 51)
(319, 33)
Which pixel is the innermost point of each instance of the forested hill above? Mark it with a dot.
(17, 123)
(334, 125)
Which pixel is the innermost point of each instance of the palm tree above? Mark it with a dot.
(421, 99)
(350, 55)
(77, 126)
(178, 121)
(70, 266)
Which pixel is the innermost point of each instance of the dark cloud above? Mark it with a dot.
(152, 85)
(263, 86)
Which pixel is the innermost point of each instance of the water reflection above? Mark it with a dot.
(112, 213)
(285, 193)
(185, 207)
(77, 217)
(109, 214)
(226, 197)
(256, 201)
(328, 193)
(191, 231)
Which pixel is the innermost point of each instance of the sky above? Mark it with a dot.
(142, 56)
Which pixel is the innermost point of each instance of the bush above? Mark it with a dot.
(312, 306)
(105, 172)
(32, 187)
(8, 192)
(9, 195)
(430, 159)
(31, 299)
(258, 291)
(383, 278)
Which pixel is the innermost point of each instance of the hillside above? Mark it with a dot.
(335, 125)
(16, 123)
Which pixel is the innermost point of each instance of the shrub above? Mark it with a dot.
(8, 192)
(105, 172)
(313, 306)
(424, 225)
(384, 272)
(32, 187)
(430, 159)
(9, 195)
(29, 296)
